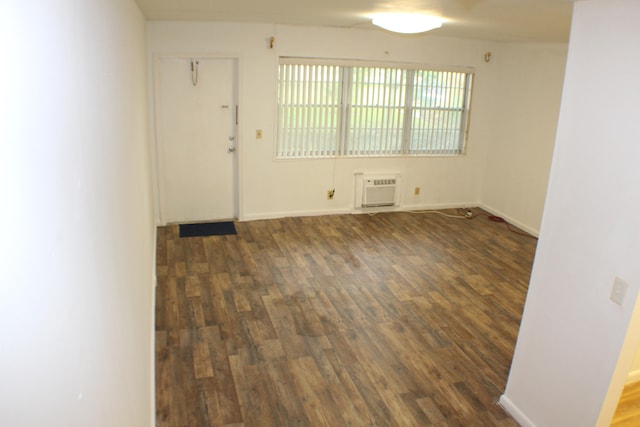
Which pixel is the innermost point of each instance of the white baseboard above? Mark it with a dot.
(342, 211)
(515, 412)
(633, 377)
(437, 206)
(284, 214)
(510, 219)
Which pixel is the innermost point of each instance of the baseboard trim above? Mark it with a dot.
(274, 215)
(343, 211)
(510, 220)
(515, 412)
(437, 206)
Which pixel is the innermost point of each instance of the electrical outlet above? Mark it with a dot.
(416, 191)
(330, 194)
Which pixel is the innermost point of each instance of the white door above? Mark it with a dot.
(196, 131)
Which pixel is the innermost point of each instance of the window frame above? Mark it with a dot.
(343, 144)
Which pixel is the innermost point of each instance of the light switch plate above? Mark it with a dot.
(618, 290)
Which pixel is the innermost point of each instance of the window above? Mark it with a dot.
(333, 110)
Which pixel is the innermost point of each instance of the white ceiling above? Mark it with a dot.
(503, 20)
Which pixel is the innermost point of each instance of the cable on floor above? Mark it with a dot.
(496, 218)
(465, 213)
(438, 213)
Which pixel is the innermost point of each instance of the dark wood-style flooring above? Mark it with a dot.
(395, 319)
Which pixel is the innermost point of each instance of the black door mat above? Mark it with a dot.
(207, 229)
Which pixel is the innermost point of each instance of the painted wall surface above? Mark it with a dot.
(77, 248)
(529, 85)
(272, 188)
(572, 333)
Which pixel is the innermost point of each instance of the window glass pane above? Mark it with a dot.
(438, 108)
(308, 109)
(377, 111)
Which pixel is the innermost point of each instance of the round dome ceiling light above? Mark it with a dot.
(407, 23)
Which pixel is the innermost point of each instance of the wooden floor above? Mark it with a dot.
(628, 411)
(350, 320)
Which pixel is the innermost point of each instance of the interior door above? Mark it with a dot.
(196, 132)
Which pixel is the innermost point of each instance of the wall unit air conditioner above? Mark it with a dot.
(379, 191)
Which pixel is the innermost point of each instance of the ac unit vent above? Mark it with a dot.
(378, 192)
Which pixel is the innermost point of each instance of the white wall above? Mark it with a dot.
(270, 188)
(529, 83)
(571, 333)
(77, 246)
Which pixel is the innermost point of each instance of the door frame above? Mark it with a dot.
(157, 157)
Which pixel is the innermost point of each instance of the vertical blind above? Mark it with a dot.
(331, 110)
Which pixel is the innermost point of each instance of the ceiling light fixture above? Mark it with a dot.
(407, 23)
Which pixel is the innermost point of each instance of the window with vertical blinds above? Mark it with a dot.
(353, 110)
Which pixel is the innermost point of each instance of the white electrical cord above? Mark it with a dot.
(438, 213)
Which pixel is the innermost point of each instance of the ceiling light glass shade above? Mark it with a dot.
(407, 23)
